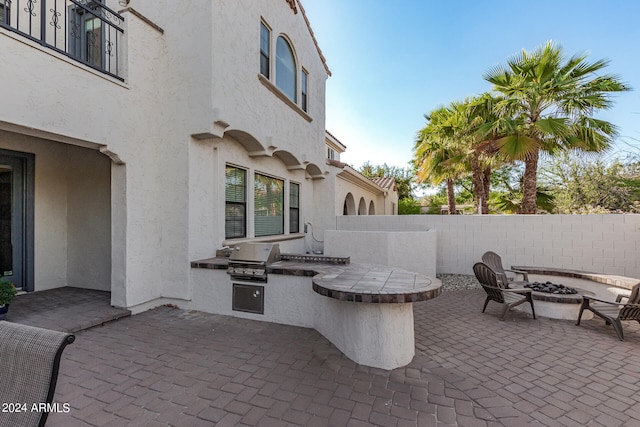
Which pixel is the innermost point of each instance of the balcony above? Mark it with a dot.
(86, 31)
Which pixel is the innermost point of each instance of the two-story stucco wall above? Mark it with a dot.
(253, 127)
(64, 104)
(142, 160)
(244, 101)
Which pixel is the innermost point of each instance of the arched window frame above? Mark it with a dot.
(292, 95)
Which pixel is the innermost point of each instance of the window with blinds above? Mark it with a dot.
(235, 189)
(268, 206)
(294, 208)
(265, 42)
(303, 90)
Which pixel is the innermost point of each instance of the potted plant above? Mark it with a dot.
(7, 292)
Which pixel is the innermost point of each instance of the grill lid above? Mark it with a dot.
(266, 253)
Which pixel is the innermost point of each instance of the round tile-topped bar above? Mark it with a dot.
(368, 312)
(376, 285)
(365, 310)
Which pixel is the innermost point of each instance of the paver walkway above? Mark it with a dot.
(180, 368)
(65, 309)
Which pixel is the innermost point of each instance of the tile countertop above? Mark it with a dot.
(368, 283)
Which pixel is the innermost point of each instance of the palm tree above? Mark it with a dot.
(549, 103)
(437, 154)
(482, 156)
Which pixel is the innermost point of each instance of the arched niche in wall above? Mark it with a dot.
(349, 207)
(362, 207)
(372, 208)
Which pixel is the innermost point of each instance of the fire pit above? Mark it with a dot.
(551, 288)
(555, 301)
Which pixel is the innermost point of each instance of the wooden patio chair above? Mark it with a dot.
(496, 290)
(494, 262)
(29, 363)
(614, 312)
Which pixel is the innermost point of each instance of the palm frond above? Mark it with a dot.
(555, 126)
(518, 146)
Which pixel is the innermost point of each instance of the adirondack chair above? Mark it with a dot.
(497, 291)
(494, 262)
(614, 312)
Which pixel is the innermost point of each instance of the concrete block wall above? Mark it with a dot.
(607, 244)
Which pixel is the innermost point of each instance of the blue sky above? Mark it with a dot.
(394, 61)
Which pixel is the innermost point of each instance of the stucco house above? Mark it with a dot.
(137, 136)
(355, 193)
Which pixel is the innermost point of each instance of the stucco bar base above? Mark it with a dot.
(380, 335)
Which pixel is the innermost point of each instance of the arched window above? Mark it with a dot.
(286, 69)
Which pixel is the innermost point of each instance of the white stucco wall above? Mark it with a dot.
(288, 300)
(166, 187)
(409, 250)
(242, 101)
(343, 187)
(67, 103)
(597, 243)
(88, 219)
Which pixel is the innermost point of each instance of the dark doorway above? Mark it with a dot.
(16, 218)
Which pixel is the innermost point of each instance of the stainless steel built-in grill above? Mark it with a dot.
(248, 261)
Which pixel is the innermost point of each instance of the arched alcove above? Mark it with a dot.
(349, 207)
(362, 207)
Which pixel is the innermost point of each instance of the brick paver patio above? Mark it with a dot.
(180, 368)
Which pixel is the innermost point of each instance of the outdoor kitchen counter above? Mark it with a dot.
(365, 310)
(366, 283)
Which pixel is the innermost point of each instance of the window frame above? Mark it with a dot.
(294, 209)
(265, 57)
(281, 79)
(86, 44)
(236, 203)
(6, 12)
(304, 90)
(258, 231)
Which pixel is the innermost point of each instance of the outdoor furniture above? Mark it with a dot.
(494, 262)
(496, 290)
(614, 312)
(29, 362)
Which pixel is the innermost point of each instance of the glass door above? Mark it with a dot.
(12, 230)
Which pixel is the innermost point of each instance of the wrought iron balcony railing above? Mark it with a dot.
(84, 30)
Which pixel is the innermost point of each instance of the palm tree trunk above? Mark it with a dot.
(530, 184)
(478, 185)
(487, 188)
(451, 197)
